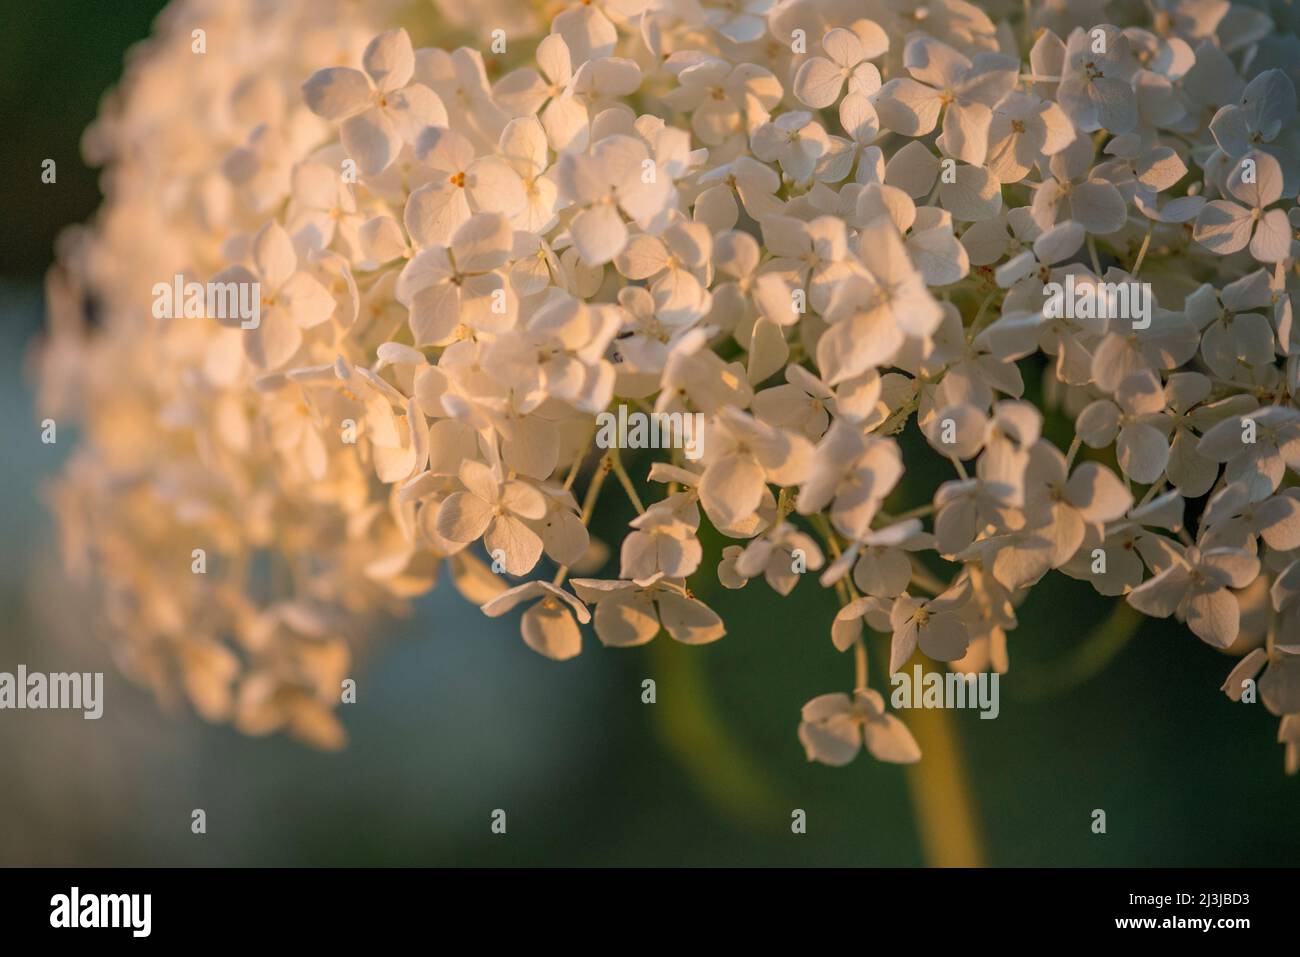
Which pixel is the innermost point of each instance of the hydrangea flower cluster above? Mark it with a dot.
(819, 225)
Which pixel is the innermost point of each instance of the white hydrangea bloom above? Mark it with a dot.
(812, 240)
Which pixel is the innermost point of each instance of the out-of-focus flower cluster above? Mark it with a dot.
(823, 226)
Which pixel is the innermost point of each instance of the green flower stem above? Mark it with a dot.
(616, 463)
(941, 799)
(1086, 661)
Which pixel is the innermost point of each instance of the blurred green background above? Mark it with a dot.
(455, 717)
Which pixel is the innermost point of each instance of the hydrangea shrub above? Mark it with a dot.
(805, 228)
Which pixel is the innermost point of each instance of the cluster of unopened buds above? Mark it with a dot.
(779, 241)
